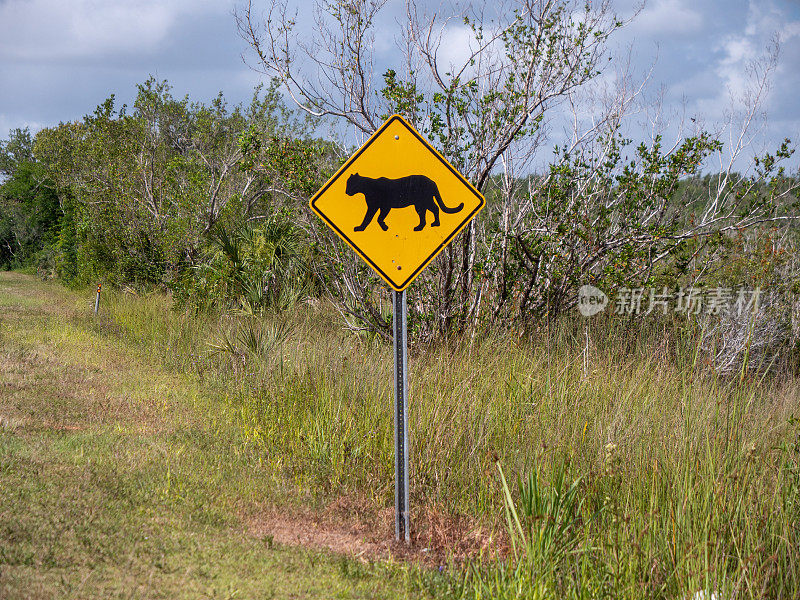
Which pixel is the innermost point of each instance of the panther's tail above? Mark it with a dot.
(449, 211)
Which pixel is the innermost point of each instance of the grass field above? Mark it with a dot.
(169, 447)
(119, 479)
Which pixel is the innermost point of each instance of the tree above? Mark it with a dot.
(29, 210)
(150, 183)
(603, 211)
(15, 151)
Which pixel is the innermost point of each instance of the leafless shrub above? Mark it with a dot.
(751, 340)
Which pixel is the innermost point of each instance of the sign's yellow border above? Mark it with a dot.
(399, 286)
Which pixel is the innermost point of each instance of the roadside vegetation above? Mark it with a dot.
(641, 475)
(119, 479)
(618, 456)
(541, 467)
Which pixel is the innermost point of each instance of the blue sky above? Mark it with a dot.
(59, 59)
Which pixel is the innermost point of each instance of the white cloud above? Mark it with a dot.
(671, 17)
(764, 22)
(54, 31)
(454, 50)
(766, 18)
(730, 74)
(791, 30)
(732, 68)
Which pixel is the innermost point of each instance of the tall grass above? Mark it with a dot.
(641, 475)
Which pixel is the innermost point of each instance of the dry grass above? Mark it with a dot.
(119, 479)
(688, 481)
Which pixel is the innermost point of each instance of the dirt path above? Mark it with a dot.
(119, 479)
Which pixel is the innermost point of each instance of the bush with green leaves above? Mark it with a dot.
(146, 186)
(30, 213)
(604, 211)
(255, 267)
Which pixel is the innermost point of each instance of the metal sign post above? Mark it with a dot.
(402, 517)
(398, 203)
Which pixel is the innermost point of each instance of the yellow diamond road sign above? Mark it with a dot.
(397, 202)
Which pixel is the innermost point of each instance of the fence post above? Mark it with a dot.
(97, 300)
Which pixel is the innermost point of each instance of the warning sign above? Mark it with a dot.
(397, 202)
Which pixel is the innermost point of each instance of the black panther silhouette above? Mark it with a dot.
(384, 194)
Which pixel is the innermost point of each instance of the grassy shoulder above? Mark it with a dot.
(121, 479)
(673, 481)
(631, 471)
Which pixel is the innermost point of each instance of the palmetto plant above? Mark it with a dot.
(254, 267)
(545, 527)
(251, 339)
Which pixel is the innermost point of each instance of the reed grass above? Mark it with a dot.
(687, 483)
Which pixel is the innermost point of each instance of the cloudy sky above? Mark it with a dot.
(60, 58)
